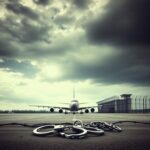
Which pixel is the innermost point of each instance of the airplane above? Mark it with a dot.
(73, 106)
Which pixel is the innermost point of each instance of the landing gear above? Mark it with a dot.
(81, 112)
(66, 112)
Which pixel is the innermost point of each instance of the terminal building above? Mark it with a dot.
(124, 103)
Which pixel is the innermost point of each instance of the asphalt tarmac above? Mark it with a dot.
(133, 137)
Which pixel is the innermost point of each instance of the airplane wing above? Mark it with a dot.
(55, 107)
(65, 103)
(81, 108)
(83, 103)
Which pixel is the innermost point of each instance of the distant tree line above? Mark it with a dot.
(24, 111)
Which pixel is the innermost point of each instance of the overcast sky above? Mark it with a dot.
(47, 47)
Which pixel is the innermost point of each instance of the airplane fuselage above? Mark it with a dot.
(74, 105)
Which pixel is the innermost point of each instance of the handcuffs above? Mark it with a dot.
(60, 130)
(106, 126)
(79, 129)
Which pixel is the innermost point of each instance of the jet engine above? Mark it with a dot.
(92, 110)
(60, 111)
(51, 109)
(86, 111)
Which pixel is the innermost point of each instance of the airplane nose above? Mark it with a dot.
(74, 107)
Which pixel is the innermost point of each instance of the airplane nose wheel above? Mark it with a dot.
(66, 112)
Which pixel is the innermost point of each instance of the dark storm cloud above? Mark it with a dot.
(7, 50)
(81, 3)
(27, 27)
(7, 46)
(26, 40)
(42, 2)
(18, 8)
(24, 67)
(22, 36)
(118, 69)
(124, 22)
(64, 21)
(24, 31)
(29, 32)
(124, 25)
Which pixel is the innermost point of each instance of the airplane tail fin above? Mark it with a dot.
(73, 92)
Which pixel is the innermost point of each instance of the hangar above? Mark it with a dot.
(115, 104)
(124, 103)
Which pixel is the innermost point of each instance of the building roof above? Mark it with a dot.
(113, 98)
(126, 95)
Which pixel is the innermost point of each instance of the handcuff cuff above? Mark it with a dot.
(60, 130)
(90, 129)
(81, 129)
(53, 128)
(106, 126)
